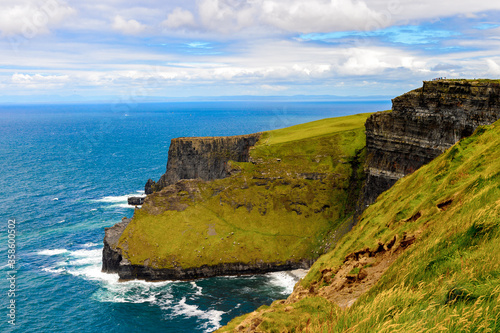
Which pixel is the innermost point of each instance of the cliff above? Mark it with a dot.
(111, 255)
(202, 158)
(225, 207)
(423, 258)
(422, 125)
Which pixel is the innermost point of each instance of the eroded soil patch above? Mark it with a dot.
(359, 272)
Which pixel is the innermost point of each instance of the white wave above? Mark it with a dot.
(284, 280)
(83, 253)
(120, 201)
(120, 198)
(213, 317)
(86, 263)
(133, 292)
(113, 199)
(123, 205)
(53, 252)
(93, 209)
(198, 289)
(54, 270)
(62, 221)
(55, 199)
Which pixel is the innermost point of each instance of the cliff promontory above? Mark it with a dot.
(244, 205)
(422, 125)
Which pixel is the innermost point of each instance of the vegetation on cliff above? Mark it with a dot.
(429, 247)
(285, 205)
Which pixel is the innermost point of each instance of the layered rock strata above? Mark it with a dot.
(422, 125)
(203, 158)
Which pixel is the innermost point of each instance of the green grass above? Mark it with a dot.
(283, 207)
(449, 279)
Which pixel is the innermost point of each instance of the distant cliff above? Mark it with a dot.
(423, 124)
(202, 158)
(244, 204)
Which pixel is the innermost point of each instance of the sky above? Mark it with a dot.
(96, 50)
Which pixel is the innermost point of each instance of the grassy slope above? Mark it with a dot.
(448, 280)
(268, 211)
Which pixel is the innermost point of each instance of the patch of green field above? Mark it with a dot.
(449, 279)
(283, 206)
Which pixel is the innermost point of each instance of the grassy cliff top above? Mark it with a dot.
(314, 129)
(447, 280)
(282, 207)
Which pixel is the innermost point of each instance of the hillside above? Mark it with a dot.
(423, 258)
(285, 202)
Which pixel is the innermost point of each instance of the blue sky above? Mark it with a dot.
(136, 50)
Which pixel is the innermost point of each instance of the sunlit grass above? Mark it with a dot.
(281, 208)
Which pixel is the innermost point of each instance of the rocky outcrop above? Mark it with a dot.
(130, 272)
(203, 158)
(111, 254)
(422, 125)
(135, 201)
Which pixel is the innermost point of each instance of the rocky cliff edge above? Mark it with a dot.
(422, 125)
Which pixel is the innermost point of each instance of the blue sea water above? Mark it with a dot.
(66, 173)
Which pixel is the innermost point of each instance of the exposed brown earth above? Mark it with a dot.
(360, 271)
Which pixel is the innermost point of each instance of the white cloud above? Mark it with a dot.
(403, 10)
(493, 67)
(309, 16)
(228, 16)
(32, 17)
(130, 27)
(179, 18)
(318, 15)
(39, 81)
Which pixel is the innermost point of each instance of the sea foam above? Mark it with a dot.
(120, 201)
(212, 317)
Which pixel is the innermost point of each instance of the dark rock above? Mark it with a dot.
(135, 201)
(204, 158)
(111, 255)
(423, 124)
(130, 272)
(150, 186)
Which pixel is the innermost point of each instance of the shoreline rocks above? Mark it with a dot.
(132, 272)
(135, 201)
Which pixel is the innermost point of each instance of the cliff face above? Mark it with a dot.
(111, 255)
(131, 272)
(203, 158)
(422, 125)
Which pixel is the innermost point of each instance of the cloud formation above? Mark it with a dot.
(128, 27)
(199, 47)
(230, 16)
(32, 17)
(179, 18)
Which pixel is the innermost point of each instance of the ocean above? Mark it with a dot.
(66, 173)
